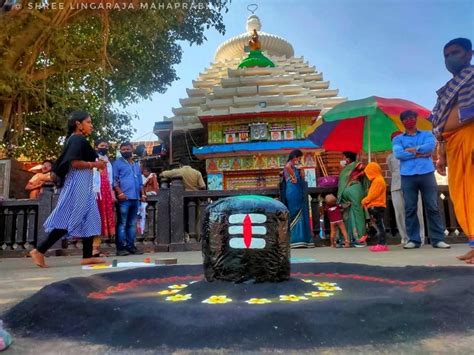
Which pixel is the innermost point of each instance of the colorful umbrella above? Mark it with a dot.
(364, 124)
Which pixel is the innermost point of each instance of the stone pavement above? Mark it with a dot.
(19, 279)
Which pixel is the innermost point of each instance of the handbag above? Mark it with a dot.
(328, 181)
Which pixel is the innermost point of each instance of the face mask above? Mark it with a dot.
(454, 64)
(126, 155)
(409, 123)
(343, 163)
(102, 151)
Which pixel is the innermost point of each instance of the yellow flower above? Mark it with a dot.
(217, 299)
(178, 298)
(307, 280)
(319, 294)
(329, 288)
(325, 284)
(258, 301)
(178, 287)
(292, 298)
(168, 292)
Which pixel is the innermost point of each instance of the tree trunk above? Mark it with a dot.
(6, 117)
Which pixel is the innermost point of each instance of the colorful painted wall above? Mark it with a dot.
(278, 128)
(260, 168)
(253, 171)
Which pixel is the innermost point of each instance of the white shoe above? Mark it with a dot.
(441, 245)
(410, 245)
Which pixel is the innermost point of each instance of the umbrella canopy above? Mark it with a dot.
(364, 124)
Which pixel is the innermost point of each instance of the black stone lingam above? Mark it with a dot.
(246, 239)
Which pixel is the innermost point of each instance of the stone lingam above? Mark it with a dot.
(246, 239)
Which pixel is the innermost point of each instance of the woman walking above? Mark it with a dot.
(76, 214)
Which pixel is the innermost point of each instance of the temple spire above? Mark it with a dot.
(256, 57)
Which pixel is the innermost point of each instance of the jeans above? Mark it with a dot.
(127, 224)
(399, 208)
(426, 185)
(377, 214)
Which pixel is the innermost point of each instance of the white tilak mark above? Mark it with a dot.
(260, 230)
(254, 217)
(256, 243)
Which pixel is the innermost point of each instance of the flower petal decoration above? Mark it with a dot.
(317, 294)
(325, 284)
(329, 288)
(168, 292)
(307, 280)
(292, 298)
(258, 301)
(179, 298)
(216, 299)
(178, 287)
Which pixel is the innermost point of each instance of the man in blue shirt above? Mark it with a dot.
(414, 149)
(129, 188)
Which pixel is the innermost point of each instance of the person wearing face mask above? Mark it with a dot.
(453, 126)
(352, 188)
(128, 185)
(102, 186)
(414, 149)
(397, 198)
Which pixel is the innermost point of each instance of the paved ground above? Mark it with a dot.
(19, 279)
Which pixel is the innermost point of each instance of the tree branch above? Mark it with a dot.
(55, 69)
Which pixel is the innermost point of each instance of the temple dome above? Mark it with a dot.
(273, 45)
(292, 84)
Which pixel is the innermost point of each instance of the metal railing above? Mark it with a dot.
(18, 224)
(174, 217)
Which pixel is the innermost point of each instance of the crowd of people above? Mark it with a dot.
(94, 190)
(361, 195)
(92, 184)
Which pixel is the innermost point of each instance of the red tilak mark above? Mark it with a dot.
(247, 226)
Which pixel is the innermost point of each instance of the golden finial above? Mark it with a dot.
(254, 43)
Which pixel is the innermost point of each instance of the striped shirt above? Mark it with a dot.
(460, 90)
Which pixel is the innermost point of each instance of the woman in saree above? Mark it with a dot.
(351, 190)
(294, 196)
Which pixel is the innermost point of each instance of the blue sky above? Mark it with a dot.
(389, 48)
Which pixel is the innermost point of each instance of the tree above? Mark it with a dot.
(90, 55)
